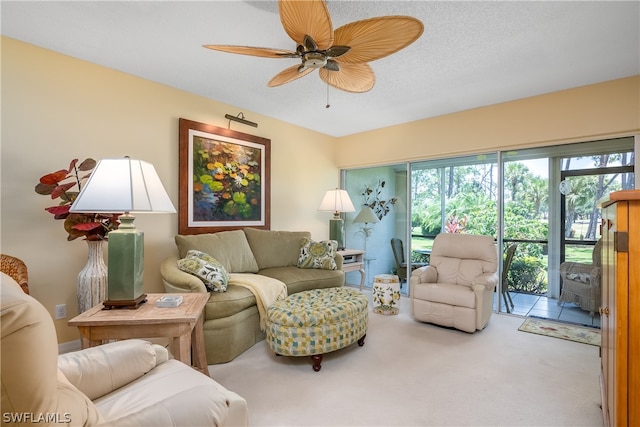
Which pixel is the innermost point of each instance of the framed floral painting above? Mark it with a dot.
(224, 179)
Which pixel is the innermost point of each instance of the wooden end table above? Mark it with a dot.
(183, 324)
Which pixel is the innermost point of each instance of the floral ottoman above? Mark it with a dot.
(315, 322)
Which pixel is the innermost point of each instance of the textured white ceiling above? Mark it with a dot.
(471, 54)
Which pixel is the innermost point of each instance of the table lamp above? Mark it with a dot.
(366, 216)
(336, 201)
(124, 186)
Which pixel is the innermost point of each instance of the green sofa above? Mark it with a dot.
(232, 320)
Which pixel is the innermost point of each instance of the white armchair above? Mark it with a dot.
(456, 289)
(125, 383)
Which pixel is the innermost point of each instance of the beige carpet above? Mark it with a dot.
(414, 374)
(565, 331)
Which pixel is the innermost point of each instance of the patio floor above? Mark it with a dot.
(548, 308)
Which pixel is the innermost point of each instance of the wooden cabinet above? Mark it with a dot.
(620, 311)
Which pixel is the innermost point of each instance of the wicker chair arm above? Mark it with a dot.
(576, 268)
(17, 269)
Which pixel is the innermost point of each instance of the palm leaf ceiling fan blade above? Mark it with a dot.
(375, 38)
(307, 18)
(356, 78)
(264, 52)
(288, 75)
(340, 56)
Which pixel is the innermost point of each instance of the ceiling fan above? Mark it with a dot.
(341, 56)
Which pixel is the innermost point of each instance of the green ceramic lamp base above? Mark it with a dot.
(126, 265)
(336, 231)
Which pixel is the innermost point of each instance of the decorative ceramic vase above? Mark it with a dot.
(386, 294)
(92, 279)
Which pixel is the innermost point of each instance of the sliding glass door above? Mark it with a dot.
(526, 223)
(550, 216)
(539, 204)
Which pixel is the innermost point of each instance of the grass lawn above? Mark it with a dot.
(579, 254)
(421, 243)
(573, 253)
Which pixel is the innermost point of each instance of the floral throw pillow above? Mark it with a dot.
(318, 254)
(206, 268)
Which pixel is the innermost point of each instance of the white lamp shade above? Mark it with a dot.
(336, 201)
(123, 185)
(366, 216)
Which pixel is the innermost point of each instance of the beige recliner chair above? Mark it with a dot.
(125, 383)
(456, 289)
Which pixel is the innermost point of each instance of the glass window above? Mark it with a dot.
(541, 201)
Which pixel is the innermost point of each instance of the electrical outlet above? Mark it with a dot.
(61, 311)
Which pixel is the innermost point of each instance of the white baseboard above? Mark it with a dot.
(69, 346)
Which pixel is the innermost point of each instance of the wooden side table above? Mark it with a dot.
(182, 324)
(354, 261)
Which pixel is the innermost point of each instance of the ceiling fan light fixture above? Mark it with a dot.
(314, 60)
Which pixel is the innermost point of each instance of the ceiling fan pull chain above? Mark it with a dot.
(328, 105)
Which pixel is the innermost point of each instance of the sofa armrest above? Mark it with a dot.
(339, 260)
(176, 280)
(97, 371)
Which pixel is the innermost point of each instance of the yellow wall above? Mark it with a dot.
(586, 113)
(55, 108)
